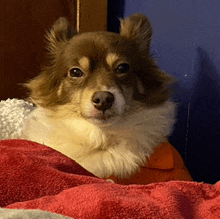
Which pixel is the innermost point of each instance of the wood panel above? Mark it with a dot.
(23, 26)
(91, 15)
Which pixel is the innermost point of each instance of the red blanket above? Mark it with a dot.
(33, 176)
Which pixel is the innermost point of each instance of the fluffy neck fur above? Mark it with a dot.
(117, 150)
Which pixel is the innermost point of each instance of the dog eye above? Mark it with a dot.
(122, 68)
(76, 72)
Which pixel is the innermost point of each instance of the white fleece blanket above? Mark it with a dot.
(12, 115)
(28, 214)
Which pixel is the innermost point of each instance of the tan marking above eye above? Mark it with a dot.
(140, 86)
(84, 63)
(111, 58)
(60, 89)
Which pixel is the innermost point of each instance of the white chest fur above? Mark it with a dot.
(116, 150)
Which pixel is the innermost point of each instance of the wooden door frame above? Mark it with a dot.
(91, 15)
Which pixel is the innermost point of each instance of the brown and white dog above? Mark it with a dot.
(102, 101)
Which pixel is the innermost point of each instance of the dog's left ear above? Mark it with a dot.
(60, 33)
(137, 27)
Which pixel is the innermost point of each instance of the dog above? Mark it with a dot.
(102, 100)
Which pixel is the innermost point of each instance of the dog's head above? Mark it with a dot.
(98, 75)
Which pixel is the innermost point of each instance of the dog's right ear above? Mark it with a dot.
(60, 32)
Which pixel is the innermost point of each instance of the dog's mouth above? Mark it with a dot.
(102, 118)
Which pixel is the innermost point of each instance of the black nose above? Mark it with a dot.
(103, 100)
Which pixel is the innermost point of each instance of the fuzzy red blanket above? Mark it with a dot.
(33, 176)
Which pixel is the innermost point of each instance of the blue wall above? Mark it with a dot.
(186, 44)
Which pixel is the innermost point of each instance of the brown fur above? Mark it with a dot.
(65, 45)
(108, 142)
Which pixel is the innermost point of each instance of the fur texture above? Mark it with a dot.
(102, 100)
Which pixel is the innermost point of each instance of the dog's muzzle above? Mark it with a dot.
(102, 100)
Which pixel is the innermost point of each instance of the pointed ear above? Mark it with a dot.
(137, 27)
(60, 32)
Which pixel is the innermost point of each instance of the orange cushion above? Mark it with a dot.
(164, 165)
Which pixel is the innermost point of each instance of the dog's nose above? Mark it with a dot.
(102, 100)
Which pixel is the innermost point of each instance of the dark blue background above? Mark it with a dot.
(186, 44)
